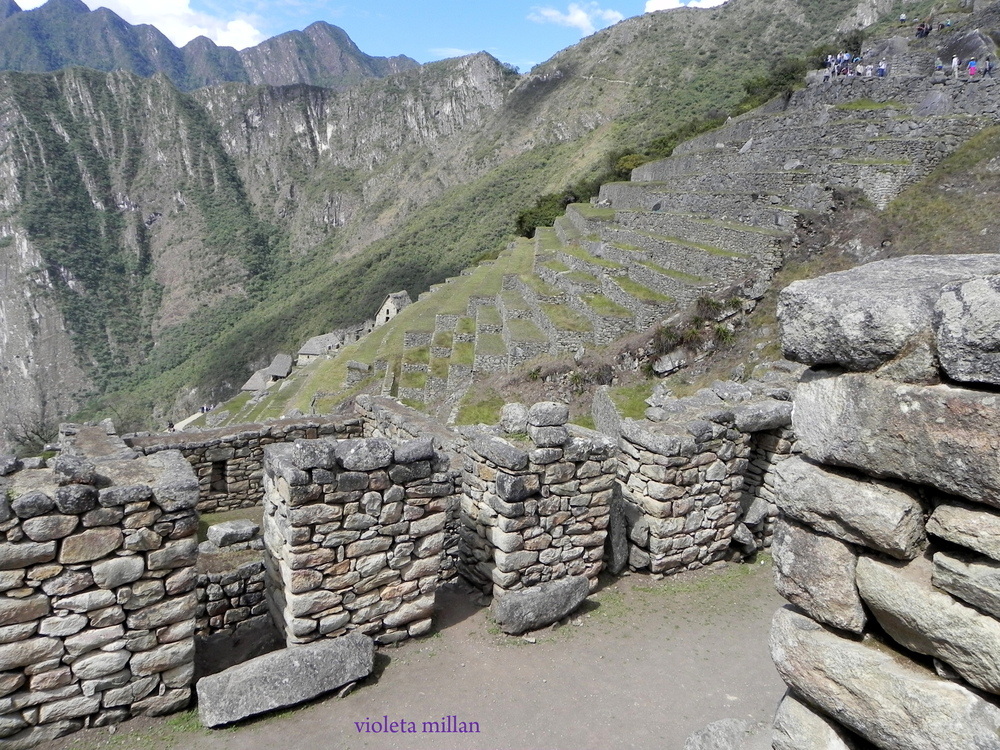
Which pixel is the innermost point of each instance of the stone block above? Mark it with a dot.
(973, 528)
(878, 693)
(76, 499)
(174, 554)
(30, 651)
(763, 415)
(411, 451)
(967, 324)
(365, 455)
(162, 658)
(548, 414)
(118, 571)
(865, 512)
(548, 437)
(232, 532)
(800, 727)
(92, 544)
(315, 454)
(931, 622)
(49, 527)
(972, 579)
(938, 435)
(862, 318)
(32, 504)
(532, 608)
(21, 555)
(283, 678)
(816, 573)
(13, 611)
(500, 452)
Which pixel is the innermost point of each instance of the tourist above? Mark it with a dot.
(869, 70)
(902, 19)
(972, 67)
(988, 67)
(938, 64)
(883, 68)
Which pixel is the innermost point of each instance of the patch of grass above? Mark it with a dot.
(605, 307)
(860, 105)
(463, 353)
(540, 286)
(413, 379)
(439, 368)
(643, 293)
(420, 355)
(565, 318)
(579, 277)
(711, 249)
(687, 278)
(631, 400)
(524, 330)
(480, 409)
(556, 265)
(490, 344)
(591, 212)
(580, 254)
(414, 404)
(444, 339)
(584, 420)
(488, 315)
(466, 326)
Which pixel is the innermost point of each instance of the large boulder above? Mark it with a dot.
(283, 678)
(877, 693)
(860, 511)
(930, 622)
(816, 572)
(936, 435)
(867, 316)
(799, 727)
(532, 608)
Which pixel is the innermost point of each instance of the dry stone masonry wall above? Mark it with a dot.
(354, 532)
(889, 541)
(537, 511)
(97, 583)
(229, 461)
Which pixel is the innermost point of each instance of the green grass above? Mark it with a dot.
(463, 353)
(605, 307)
(439, 368)
(488, 315)
(476, 409)
(420, 355)
(861, 105)
(444, 339)
(556, 265)
(580, 254)
(579, 277)
(631, 399)
(711, 249)
(465, 326)
(565, 318)
(584, 420)
(413, 379)
(490, 344)
(514, 301)
(540, 286)
(642, 293)
(596, 213)
(524, 330)
(687, 278)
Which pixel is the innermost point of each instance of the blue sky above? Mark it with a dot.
(520, 33)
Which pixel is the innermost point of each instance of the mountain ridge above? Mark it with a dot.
(65, 33)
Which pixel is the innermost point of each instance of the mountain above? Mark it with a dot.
(159, 246)
(65, 33)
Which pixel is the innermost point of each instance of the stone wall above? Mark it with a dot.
(229, 461)
(696, 476)
(539, 511)
(353, 534)
(231, 597)
(889, 541)
(97, 576)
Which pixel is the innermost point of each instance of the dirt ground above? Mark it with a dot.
(643, 665)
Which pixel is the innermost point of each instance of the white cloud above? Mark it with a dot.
(652, 5)
(587, 18)
(178, 21)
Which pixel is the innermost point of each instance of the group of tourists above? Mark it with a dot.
(972, 67)
(846, 64)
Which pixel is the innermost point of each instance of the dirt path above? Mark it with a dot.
(649, 663)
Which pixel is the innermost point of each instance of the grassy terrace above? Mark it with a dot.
(412, 379)
(556, 265)
(711, 249)
(605, 307)
(489, 316)
(439, 368)
(643, 293)
(490, 344)
(565, 318)
(687, 278)
(594, 213)
(579, 277)
(514, 301)
(524, 330)
(465, 326)
(631, 400)
(463, 353)
(580, 254)
(444, 339)
(547, 239)
(540, 287)
(420, 355)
